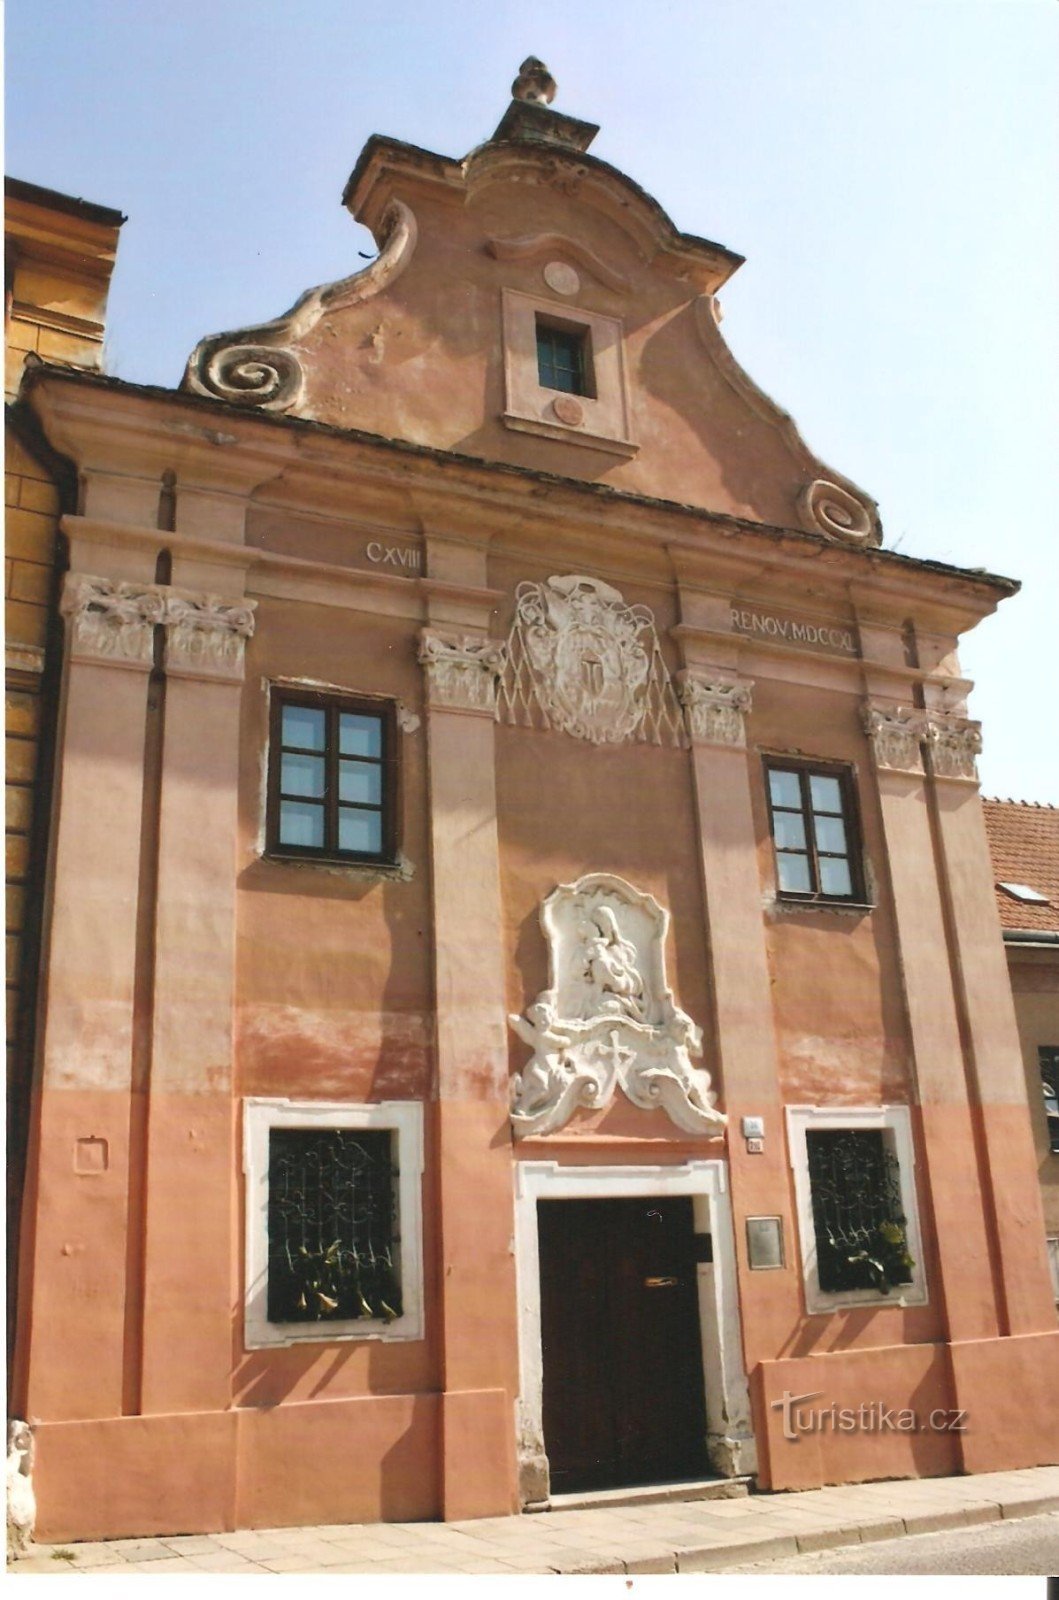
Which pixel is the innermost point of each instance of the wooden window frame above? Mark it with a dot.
(334, 705)
(580, 336)
(806, 769)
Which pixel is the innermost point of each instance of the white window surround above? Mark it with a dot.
(896, 1125)
(405, 1118)
(603, 417)
(730, 1440)
(1053, 1262)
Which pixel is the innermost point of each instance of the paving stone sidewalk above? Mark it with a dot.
(676, 1536)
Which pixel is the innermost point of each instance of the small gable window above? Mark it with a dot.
(563, 358)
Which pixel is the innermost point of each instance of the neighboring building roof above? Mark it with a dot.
(52, 200)
(1024, 845)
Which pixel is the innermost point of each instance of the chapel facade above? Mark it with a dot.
(524, 1008)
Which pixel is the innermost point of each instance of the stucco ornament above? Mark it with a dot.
(582, 661)
(461, 671)
(608, 1018)
(953, 743)
(260, 366)
(110, 621)
(896, 733)
(832, 510)
(716, 708)
(206, 635)
(21, 1501)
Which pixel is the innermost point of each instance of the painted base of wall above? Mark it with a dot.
(372, 1459)
(998, 1396)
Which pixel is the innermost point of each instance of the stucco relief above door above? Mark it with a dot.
(608, 1018)
(583, 662)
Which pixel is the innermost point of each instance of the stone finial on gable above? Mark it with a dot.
(534, 82)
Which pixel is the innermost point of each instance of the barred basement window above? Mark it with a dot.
(334, 1221)
(860, 1226)
(332, 1241)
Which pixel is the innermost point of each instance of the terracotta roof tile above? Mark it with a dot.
(1024, 845)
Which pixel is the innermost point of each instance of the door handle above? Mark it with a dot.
(660, 1283)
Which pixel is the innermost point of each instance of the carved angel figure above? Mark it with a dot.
(614, 984)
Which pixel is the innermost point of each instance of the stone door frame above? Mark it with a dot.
(730, 1439)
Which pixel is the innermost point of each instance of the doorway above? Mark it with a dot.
(623, 1400)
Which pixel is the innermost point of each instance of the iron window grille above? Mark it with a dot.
(332, 1233)
(562, 358)
(1048, 1056)
(858, 1220)
(813, 817)
(333, 780)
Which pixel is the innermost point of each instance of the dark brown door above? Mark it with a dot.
(623, 1393)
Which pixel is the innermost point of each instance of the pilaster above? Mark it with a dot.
(997, 1081)
(717, 704)
(952, 1171)
(189, 1204)
(478, 1331)
(75, 1217)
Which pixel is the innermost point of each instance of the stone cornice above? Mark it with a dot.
(223, 442)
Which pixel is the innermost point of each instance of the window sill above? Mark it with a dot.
(571, 434)
(819, 1303)
(785, 903)
(399, 871)
(281, 1335)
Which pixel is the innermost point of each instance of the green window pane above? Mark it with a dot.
(834, 876)
(303, 775)
(301, 823)
(360, 831)
(826, 794)
(785, 789)
(831, 835)
(360, 783)
(790, 830)
(794, 873)
(303, 727)
(359, 735)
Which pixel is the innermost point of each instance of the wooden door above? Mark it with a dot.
(623, 1387)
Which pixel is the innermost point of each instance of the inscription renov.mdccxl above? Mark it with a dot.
(818, 635)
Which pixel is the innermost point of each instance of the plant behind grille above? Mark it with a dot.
(861, 1237)
(331, 1226)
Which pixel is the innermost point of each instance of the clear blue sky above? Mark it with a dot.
(890, 168)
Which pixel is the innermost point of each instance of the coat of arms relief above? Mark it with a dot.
(608, 1018)
(580, 660)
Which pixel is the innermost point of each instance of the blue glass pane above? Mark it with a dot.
(834, 876)
(302, 775)
(360, 830)
(831, 835)
(785, 789)
(826, 793)
(360, 783)
(303, 726)
(301, 823)
(359, 736)
(790, 830)
(794, 874)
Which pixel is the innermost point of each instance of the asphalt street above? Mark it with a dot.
(1027, 1547)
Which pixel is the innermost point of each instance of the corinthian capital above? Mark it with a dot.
(715, 708)
(462, 671)
(953, 743)
(206, 635)
(112, 622)
(896, 733)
